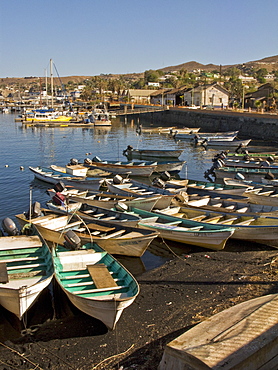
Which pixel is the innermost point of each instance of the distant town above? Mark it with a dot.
(252, 86)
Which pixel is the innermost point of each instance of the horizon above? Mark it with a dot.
(92, 38)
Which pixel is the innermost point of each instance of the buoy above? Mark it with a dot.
(6, 165)
(22, 168)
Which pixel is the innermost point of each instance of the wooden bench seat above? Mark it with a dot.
(100, 290)
(68, 226)
(113, 235)
(228, 221)
(245, 222)
(101, 276)
(198, 218)
(93, 226)
(213, 218)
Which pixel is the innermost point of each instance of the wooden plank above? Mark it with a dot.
(4, 278)
(92, 226)
(101, 276)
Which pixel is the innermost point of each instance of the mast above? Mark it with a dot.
(51, 76)
(46, 92)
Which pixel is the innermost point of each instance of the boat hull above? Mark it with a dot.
(241, 337)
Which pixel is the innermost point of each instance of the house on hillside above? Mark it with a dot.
(207, 95)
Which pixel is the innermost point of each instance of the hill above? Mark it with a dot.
(270, 63)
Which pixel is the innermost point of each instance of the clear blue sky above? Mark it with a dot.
(90, 37)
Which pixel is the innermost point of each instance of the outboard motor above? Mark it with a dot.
(165, 176)
(72, 241)
(87, 161)
(35, 211)
(264, 164)
(73, 162)
(269, 176)
(121, 207)
(59, 187)
(59, 199)
(239, 176)
(158, 183)
(96, 159)
(9, 227)
(117, 179)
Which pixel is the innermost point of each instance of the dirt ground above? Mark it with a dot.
(175, 296)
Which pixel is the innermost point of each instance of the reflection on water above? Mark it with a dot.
(23, 146)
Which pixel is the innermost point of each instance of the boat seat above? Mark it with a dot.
(242, 210)
(34, 265)
(108, 218)
(98, 215)
(245, 222)
(214, 218)
(90, 291)
(70, 225)
(92, 226)
(230, 207)
(197, 218)
(4, 278)
(266, 192)
(195, 228)
(132, 234)
(174, 223)
(217, 205)
(117, 233)
(228, 220)
(88, 211)
(101, 276)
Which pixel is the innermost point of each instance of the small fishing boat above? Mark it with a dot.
(95, 282)
(253, 228)
(51, 176)
(185, 231)
(270, 156)
(86, 212)
(254, 174)
(141, 153)
(144, 169)
(129, 187)
(200, 136)
(114, 238)
(169, 130)
(219, 204)
(205, 187)
(139, 169)
(243, 336)
(226, 144)
(250, 164)
(267, 196)
(25, 270)
(103, 199)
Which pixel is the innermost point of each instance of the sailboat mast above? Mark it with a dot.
(46, 92)
(51, 76)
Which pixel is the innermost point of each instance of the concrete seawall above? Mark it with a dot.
(250, 125)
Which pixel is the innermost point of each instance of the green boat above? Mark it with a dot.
(95, 282)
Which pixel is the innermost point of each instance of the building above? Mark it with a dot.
(207, 95)
(138, 96)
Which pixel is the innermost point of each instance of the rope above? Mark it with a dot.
(113, 356)
(182, 259)
(24, 357)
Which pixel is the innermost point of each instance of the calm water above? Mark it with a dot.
(26, 146)
(23, 146)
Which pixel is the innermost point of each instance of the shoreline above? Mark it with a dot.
(174, 297)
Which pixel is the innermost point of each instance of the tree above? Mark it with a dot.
(151, 76)
(260, 75)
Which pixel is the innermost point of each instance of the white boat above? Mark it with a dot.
(253, 174)
(200, 136)
(226, 144)
(252, 228)
(185, 231)
(137, 189)
(51, 176)
(114, 238)
(95, 282)
(25, 270)
(100, 117)
(243, 336)
(104, 200)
